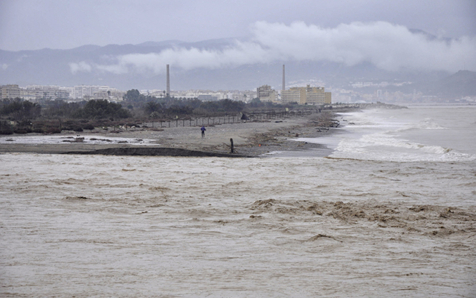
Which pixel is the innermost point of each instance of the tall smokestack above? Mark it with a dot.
(284, 86)
(168, 81)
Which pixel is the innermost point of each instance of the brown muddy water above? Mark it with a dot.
(108, 226)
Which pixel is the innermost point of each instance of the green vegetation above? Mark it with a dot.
(101, 109)
(169, 107)
(19, 116)
(18, 110)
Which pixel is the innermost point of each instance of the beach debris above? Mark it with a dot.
(255, 216)
(77, 198)
(320, 236)
(74, 140)
(446, 213)
(101, 140)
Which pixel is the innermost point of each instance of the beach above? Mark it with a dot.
(250, 138)
(279, 226)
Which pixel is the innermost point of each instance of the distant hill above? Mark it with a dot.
(77, 66)
(460, 84)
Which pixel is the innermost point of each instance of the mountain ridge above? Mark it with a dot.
(93, 65)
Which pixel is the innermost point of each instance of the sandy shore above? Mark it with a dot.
(250, 138)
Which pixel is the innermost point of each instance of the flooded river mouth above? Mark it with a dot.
(213, 227)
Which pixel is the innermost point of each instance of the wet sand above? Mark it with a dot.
(251, 138)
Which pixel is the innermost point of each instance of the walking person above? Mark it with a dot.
(203, 131)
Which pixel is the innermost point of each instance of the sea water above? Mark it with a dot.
(416, 133)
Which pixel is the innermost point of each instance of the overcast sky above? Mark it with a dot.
(60, 24)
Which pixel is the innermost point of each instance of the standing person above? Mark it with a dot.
(203, 131)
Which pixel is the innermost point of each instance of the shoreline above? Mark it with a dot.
(184, 222)
(250, 138)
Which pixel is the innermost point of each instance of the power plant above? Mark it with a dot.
(301, 95)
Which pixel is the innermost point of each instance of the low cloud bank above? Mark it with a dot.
(387, 46)
(80, 67)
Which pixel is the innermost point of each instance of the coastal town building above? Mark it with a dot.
(266, 93)
(85, 92)
(36, 93)
(306, 95)
(205, 95)
(89, 91)
(10, 91)
(295, 94)
(39, 92)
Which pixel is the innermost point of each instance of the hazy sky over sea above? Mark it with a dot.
(59, 24)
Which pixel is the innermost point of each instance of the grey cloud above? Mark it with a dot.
(60, 24)
(387, 46)
(79, 67)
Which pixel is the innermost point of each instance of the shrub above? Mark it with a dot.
(88, 126)
(5, 131)
(51, 130)
(67, 127)
(20, 131)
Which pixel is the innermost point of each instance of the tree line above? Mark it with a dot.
(21, 116)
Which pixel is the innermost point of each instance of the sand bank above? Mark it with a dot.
(250, 138)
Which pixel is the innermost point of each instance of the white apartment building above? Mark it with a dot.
(39, 92)
(10, 91)
(97, 92)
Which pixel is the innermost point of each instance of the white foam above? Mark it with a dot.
(427, 123)
(381, 146)
(407, 135)
(64, 139)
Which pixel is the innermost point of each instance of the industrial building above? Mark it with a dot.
(306, 95)
(302, 95)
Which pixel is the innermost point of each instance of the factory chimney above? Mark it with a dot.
(284, 88)
(168, 81)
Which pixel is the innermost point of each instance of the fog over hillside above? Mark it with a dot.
(327, 56)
